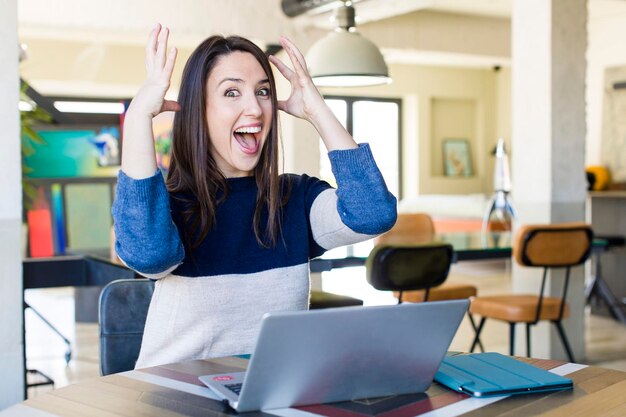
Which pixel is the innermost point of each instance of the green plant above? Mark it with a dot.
(30, 137)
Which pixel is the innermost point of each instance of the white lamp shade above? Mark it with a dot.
(346, 59)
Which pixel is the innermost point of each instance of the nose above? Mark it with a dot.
(252, 106)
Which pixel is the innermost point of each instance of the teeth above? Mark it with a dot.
(248, 130)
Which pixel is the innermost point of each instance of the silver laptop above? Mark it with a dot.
(342, 354)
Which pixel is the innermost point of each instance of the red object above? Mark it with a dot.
(40, 227)
(222, 378)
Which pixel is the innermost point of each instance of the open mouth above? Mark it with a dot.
(248, 139)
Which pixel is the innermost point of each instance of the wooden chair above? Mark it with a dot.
(546, 246)
(418, 228)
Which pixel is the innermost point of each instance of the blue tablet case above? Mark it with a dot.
(490, 374)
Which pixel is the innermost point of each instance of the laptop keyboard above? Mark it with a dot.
(236, 388)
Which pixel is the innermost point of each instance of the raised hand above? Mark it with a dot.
(159, 66)
(305, 100)
(138, 154)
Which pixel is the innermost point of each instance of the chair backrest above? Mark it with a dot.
(408, 267)
(122, 317)
(409, 228)
(553, 245)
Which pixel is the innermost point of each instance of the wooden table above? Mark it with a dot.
(174, 390)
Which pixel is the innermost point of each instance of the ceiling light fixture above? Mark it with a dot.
(89, 107)
(344, 58)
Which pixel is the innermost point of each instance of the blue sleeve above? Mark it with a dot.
(364, 203)
(146, 238)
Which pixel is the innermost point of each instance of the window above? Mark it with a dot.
(375, 121)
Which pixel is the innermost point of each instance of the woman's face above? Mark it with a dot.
(239, 113)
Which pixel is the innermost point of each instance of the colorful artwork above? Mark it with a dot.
(457, 158)
(76, 154)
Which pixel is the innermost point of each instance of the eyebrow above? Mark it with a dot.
(239, 80)
(235, 80)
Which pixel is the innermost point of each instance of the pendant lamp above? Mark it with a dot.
(344, 58)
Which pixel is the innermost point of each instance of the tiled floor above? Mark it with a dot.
(606, 339)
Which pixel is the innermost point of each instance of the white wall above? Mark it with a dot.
(606, 48)
(11, 364)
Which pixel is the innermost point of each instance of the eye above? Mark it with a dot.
(263, 92)
(232, 92)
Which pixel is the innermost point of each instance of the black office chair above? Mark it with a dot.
(421, 268)
(122, 317)
(409, 267)
(419, 228)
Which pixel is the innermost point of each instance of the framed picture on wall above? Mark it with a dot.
(457, 158)
(74, 151)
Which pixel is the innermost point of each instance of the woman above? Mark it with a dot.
(228, 238)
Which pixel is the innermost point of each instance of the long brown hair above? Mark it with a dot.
(194, 172)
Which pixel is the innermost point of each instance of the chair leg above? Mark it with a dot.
(568, 350)
(511, 338)
(68, 352)
(477, 337)
(473, 323)
(528, 340)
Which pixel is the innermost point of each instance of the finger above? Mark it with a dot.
(296, 52)
(159, 59)
(297, 66)
(169, 64)
(284, 69)
(170, 105)
(151, 45)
